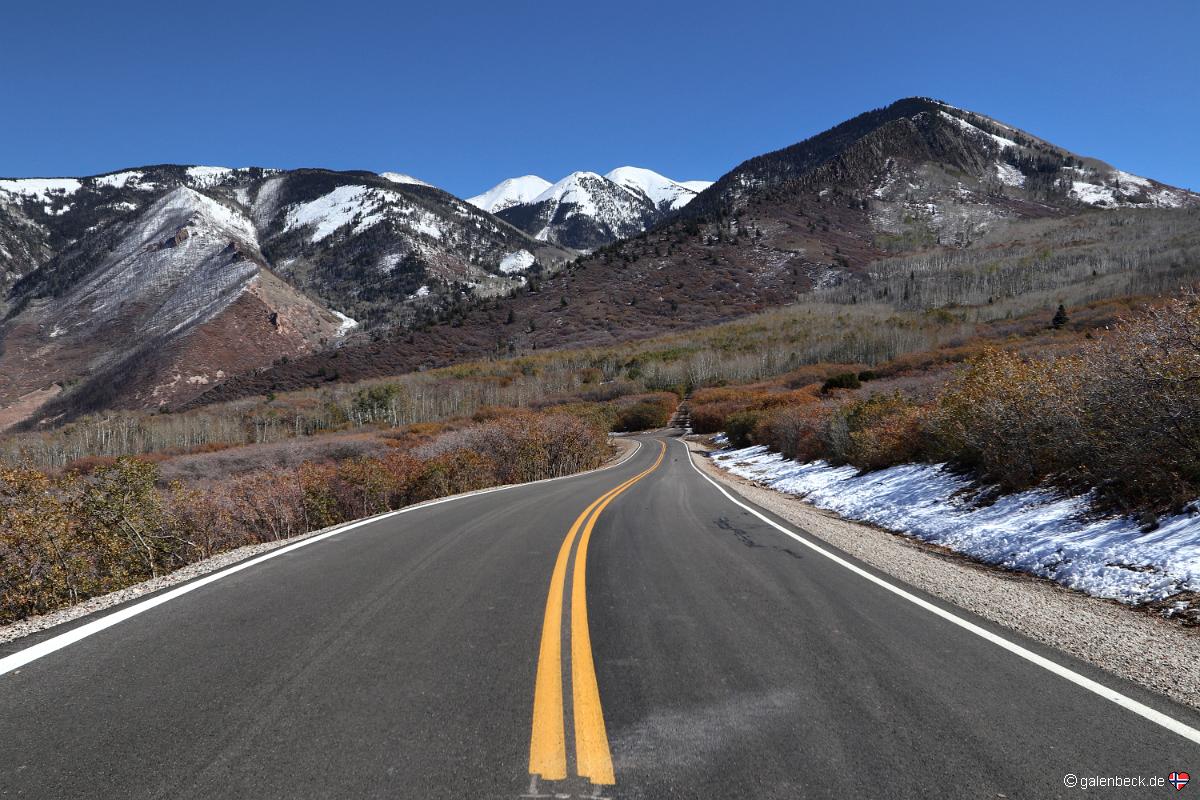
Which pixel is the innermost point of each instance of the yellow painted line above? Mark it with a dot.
(547, 747)
(593, 759)
(547, 744)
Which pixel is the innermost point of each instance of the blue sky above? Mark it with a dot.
(466, 94)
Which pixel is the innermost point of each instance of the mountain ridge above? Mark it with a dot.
(337, 275)
(585, 210)
(810, 217)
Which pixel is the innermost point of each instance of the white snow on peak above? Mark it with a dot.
(580, 189)
(400, 177)
(41, 189)
(661, 190)
(576, 189)
(119, 180)
(518, 261)
(508, 193)
(205, 177)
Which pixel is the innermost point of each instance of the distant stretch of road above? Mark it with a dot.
(635, 632)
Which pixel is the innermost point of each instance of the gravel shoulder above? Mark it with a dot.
(1153, 652)
(622, 448)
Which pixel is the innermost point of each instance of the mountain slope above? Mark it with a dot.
(171, 277)
(186, 263)
(917, 177)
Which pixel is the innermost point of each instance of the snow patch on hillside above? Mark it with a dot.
(174, 262)
(519, 261)
(999, 141)
(43, 190)
(1038, 531)
(363, 206)
(1009, 175)
(346, 323)
(335, 210)
(207, 177)
(119, 180)
(400, 177)
(1095, 194)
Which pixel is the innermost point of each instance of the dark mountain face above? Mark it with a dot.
(145, 286)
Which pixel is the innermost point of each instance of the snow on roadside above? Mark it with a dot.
(1038, 531)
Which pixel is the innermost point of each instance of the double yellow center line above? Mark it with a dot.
(548, 746)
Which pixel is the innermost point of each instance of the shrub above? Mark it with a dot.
(739, 428)
(69, 536)
(844, 380)
(883, 430)
(794, 431)
(646, 414)
(1008, 417)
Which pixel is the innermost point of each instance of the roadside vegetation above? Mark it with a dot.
(78, 533)
(1046, 358)
(1115, 412)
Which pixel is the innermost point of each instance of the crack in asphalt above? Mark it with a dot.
(742, 536)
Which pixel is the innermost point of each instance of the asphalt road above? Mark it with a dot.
(425, 655)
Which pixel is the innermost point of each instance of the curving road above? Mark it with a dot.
(634, 632)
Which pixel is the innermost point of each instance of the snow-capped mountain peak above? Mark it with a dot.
(585, 210)
(511, 192)
(661, 190)
(576, 188)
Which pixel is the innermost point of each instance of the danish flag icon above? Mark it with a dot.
(1178, 780)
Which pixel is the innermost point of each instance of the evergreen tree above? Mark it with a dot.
(1060, 317)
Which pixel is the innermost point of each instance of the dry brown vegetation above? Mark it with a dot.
(68, 536)
(1116, 412)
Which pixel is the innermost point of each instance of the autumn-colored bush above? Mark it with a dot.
(712, 408)
(794, 431)
(1122, 416)
(1007, 417)
(882, 431)
(89, 464)
(68, 536)
(647, 413)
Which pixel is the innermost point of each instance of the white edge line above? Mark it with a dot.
(1128, 703)
(22, 657)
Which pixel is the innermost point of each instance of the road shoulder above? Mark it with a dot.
(1155, 653)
